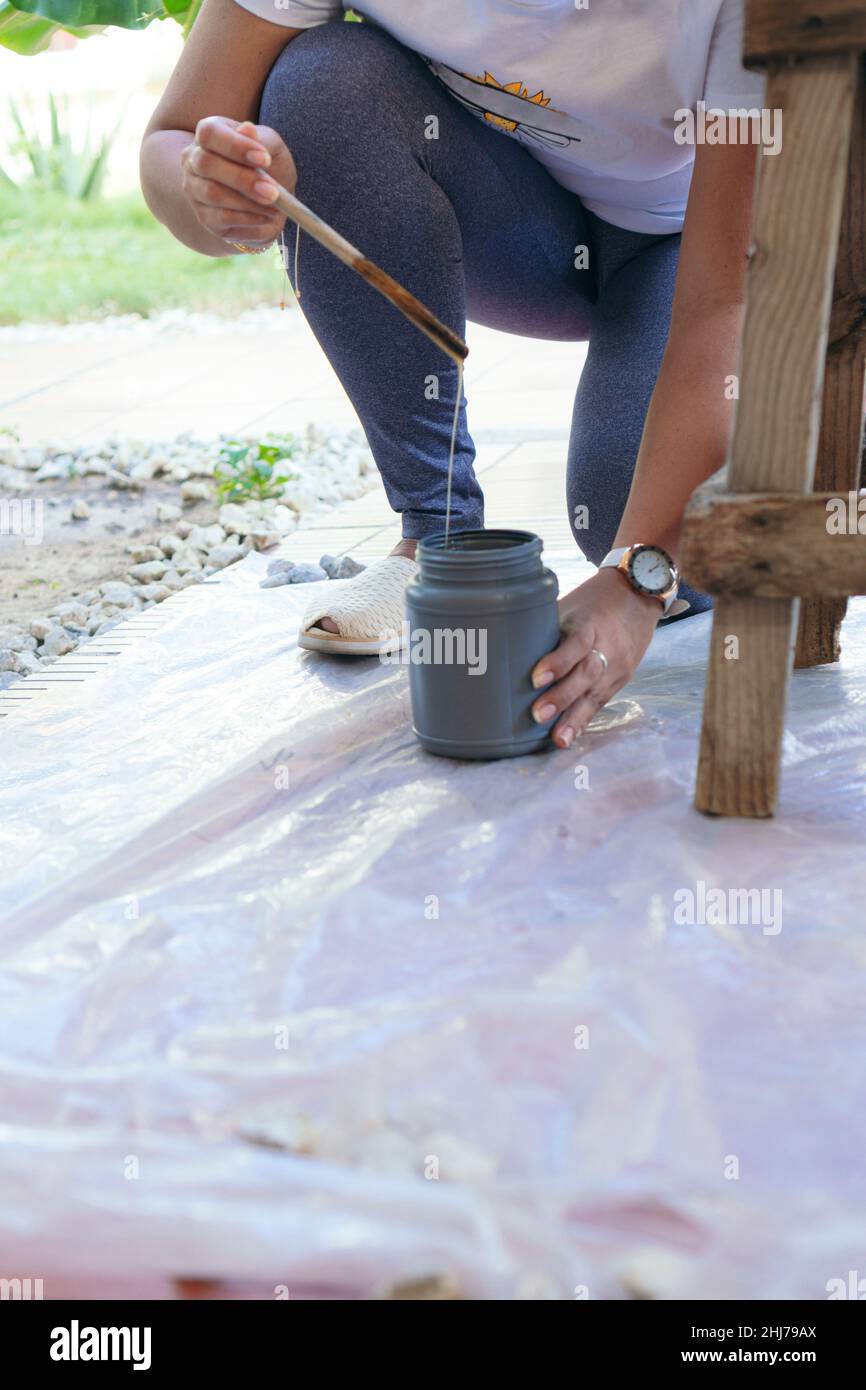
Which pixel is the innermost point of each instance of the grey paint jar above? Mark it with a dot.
(481, 613)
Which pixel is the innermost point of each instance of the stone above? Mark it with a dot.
(307, 574)
(154, 593)
(145, 469)
(280, 566)
(195, 491)
(66, 613)
(80, 510)
(183, 529)
(167, 512)
(9, 660)
(204, 538)
(57, 643)
(116, 591)
(200, 466)
(51, 469)
(171, 580)
(306, 496)
(40, 628)
(22, 644)
(185, 561)
(262, 537)
(348, 568)
(122, 480)
(276, 581)
(223, 555)
(29, 663)
(169, 544)
(150, 570)
(235, 518)
(141, 554)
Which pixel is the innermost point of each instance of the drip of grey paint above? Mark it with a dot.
(451, 449)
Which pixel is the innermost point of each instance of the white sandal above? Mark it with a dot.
(368, 609)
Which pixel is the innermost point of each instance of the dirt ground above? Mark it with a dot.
(75, 556)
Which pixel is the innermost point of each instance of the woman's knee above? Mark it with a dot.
(322, 91)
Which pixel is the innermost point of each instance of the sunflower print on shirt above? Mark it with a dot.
(510, 107)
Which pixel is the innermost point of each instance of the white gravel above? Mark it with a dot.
(329, 469)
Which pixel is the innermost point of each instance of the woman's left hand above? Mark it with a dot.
(603, 615)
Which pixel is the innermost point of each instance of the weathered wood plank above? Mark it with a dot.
(790, 279)
(781, 29)
(775, 546)
(798, 212)
(840, 447)
(750, 657)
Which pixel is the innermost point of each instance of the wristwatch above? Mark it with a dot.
(650, 571)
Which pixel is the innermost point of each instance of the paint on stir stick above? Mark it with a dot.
(451, 449)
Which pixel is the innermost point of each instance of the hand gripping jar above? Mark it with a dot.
(481, 612)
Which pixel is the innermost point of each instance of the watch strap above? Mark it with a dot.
(671, 606)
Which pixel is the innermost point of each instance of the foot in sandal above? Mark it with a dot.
(362, 616)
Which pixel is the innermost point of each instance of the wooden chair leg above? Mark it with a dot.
(798, 213)
(840, 449)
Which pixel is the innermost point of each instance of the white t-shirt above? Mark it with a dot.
(591, 87)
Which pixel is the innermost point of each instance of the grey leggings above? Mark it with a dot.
(474, 226)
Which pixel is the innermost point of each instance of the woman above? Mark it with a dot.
(519, 162)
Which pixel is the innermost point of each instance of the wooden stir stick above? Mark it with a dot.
(412, 308)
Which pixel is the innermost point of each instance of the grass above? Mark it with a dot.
(63, 261)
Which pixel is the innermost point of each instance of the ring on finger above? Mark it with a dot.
(602, 658)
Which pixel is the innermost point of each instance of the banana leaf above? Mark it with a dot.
(27, 26)
(78, 14)
(27, 34)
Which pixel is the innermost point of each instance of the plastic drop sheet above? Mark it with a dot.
(284, 997)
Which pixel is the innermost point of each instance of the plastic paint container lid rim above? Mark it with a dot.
(476, 556)
(479, 543)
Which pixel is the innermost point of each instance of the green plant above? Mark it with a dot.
(248, 470)
(57, 163)
(27, 26)
(28, 33)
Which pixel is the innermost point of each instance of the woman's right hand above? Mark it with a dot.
(228, 176)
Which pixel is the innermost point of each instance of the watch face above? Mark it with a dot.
(651, 570)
